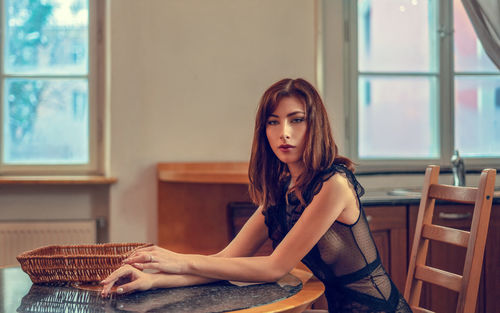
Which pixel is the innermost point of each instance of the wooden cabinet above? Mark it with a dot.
(389, 231)
(452, 259)
(237, 215)
(491, 264)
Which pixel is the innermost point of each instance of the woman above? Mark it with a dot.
(309, 206)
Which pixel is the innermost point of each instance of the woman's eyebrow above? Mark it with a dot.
(289, 114)
(295, 113)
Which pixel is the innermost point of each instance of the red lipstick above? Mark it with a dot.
(286, 148)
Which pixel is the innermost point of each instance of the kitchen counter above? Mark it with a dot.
(389, 197)
(236, 173)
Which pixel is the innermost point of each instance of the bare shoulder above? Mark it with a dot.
(342, 192)
(338, 189)
(337, 182)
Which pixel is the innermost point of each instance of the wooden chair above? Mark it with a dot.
(467, 284)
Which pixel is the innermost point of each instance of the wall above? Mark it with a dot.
(186, 77)
(185, 80)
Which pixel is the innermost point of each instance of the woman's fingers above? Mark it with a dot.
(142, 250)
(106, 289)
(120, 272)
(113, 278)
(145, 257)
(147, 266)
(139, 284)
(139, 281)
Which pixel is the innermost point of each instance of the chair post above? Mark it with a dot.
(475, 251)
(420, 247)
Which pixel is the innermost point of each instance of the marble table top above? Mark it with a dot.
(18, 294)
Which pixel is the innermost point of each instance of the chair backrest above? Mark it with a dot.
(474, 240)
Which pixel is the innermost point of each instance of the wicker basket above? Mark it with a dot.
(75, 263)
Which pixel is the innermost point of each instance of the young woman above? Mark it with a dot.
(309, 206)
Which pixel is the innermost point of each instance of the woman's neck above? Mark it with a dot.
(295, 170)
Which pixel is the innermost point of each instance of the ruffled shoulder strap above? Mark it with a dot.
(317, 183)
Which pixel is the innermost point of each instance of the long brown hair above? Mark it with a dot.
(265, 170)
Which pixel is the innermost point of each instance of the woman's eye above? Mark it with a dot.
(298, 120)
(272, 122)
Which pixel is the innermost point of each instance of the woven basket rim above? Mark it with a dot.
(81, 263)
(32, 253)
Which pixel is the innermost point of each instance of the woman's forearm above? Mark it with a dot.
(247, 269)
(163, 280)
(172, 280)
(201, 269)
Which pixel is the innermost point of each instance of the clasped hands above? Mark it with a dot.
(151, 258)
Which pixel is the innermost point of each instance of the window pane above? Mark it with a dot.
(46, 121)
(477, 116)
(46, 36)
(469, 53)
(396, 36)
(398, 118)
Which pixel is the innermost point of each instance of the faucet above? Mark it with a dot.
(458, 169)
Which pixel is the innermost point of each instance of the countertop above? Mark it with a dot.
(382, 197)
(236, 173)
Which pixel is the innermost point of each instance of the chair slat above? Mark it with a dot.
(439, 277)
(417, 309)
(453, 193)
(445, 234)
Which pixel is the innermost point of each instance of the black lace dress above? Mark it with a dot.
(345, 259)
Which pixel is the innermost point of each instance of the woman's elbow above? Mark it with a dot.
(278, 270)
(276, 276)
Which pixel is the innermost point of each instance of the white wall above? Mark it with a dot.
(186, 78)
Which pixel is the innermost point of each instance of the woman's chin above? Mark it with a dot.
(289, 160)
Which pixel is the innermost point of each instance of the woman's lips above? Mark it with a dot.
(286, 148)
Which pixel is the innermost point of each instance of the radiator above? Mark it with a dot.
(17, 237)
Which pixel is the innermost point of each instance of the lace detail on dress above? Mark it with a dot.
(317, 183)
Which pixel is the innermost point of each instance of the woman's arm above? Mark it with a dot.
(249, 239)
(246, 243)
(316, 219)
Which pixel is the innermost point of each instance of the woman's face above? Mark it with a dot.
(286, 130)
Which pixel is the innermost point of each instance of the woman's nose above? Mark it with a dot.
(285, 131)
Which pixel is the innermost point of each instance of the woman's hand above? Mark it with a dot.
(134, 280)
(157, 258)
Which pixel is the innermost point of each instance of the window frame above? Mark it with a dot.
(96, 99)
(444, 98)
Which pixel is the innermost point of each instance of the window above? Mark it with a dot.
(420, 86)
(49, 113)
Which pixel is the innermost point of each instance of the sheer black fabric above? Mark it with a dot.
(345, 259)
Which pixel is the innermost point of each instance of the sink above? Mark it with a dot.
(405, 192)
